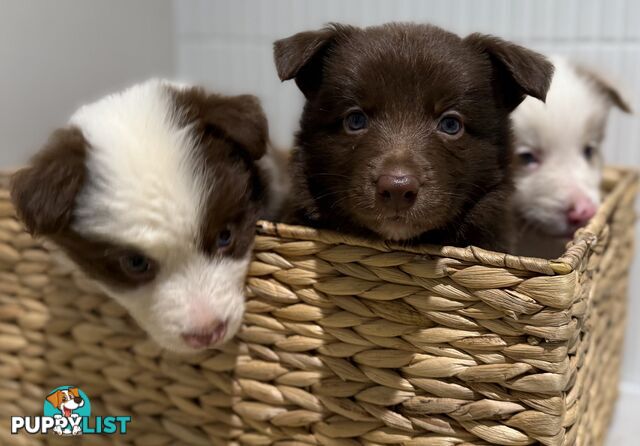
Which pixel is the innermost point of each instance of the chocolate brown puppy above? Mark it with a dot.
(405, 134)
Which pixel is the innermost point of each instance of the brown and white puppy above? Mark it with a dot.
(154, 193)
(66, 401)
(559, 162)
(405, 134)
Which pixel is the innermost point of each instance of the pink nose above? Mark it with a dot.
(581, 212)
(205, 336)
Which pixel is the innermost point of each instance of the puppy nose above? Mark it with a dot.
(398, 191)
(205, 336)
(581, 212)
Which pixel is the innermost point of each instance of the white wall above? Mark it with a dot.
(57, 55)
(227, 45)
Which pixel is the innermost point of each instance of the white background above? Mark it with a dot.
(56, 55)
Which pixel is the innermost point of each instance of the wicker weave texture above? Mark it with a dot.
(345, 342)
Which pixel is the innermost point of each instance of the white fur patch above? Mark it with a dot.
(557, 132)
(141, 169)
(146, 189)
(188, 295)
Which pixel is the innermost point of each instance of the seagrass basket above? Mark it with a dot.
(345, 342)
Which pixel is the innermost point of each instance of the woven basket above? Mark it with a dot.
(346, 342)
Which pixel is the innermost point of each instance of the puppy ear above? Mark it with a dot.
(518, 71)
(74, 391)
(605, 87)
(300, 56)
(55, 399)
(44, 193)
(241, 119)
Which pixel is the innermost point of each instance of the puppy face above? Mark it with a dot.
(405, 125)
(66, 400)
(559, 163)
(154, 193)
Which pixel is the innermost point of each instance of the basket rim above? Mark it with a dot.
(617, 179)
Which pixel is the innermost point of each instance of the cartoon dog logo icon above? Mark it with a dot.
(66, 401)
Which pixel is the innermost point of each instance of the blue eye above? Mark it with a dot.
(224, 238)
(528, 158)
(450, 125)
(355, 122)
(137, 266)
(136, 263)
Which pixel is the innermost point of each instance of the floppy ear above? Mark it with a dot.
(605, 86)
(518, 71)
(241, 119)
(74, 391)
(44, 193)
(300, 56)
(55, 398)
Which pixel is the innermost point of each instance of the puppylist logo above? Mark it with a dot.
(67, 411)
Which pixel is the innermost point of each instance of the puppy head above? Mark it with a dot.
(405, 124)
(68, 399)
(154, 193)
(558, 158)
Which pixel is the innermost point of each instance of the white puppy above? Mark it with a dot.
(558, 158)
(154, 193)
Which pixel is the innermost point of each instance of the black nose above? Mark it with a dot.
(77, 400)
(397, 191)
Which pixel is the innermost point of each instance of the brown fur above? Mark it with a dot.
(44, 196)
(232, 132)
(44, 193)
(56, 397)
(404, 77)
(237, 119)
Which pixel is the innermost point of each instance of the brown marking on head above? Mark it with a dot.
(238, 120)
(44, 193)
(232, 133)
(58, 397)
(405, 79)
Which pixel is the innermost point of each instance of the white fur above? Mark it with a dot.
(557, 131)
(70, 405)
(146, 190)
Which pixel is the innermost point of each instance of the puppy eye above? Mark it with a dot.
(137, 266)
(355, 122)
(589, 152)
(451, 125)
(528, 159)
(224, 238)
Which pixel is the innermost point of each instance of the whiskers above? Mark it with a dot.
(327, 174)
